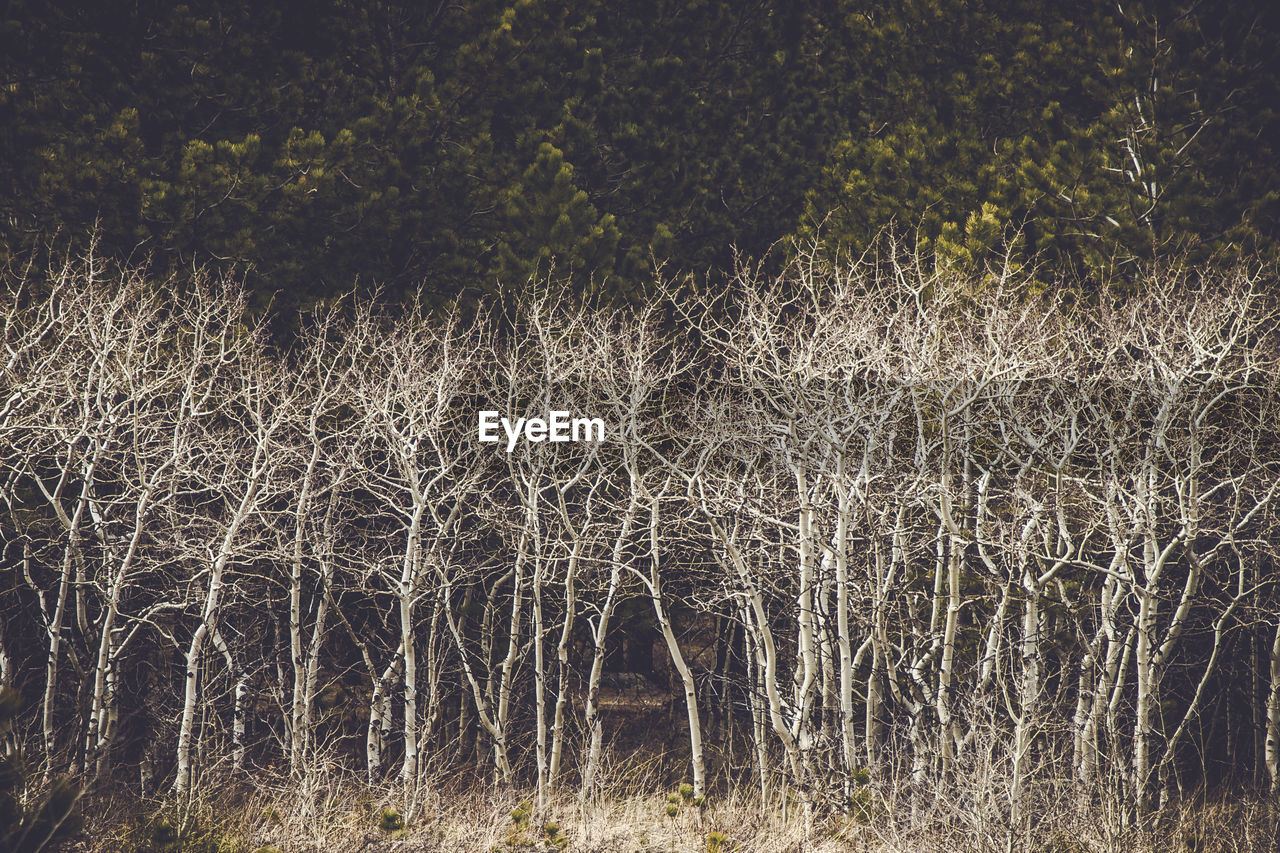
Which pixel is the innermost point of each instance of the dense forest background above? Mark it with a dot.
(460, 147)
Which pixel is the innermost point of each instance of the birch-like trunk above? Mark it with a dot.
(499, 731)
(883, 573)
(562, 664)
(677, 657)
(379, 722)
(298, 733)
(539, 680)
(240, 707)
(599, 638)
(311, 681)
(98, 736)
(1144, 710)
(478, 693)
(943, 698)
(6, 662)
(848, 746)
(406, 592)
(757, 624)
(70, 556)
(1272, 747)
(806, 673)
(1028, 698)
(208, 620)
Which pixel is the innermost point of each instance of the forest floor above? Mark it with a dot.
(351, 818)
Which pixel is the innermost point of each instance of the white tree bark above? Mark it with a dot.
(1272, 758)
(654, 583)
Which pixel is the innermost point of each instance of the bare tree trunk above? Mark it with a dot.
(239, 708)
(1273, 717)
(297, 732)
(513, 648)
(6, 662)
(806, 648)
(102, 704)
(69, 558)
(407, 593)
(539, 668)
(599, 636)
(208, 621)
(755, 700)
(433, 673)
(847, 745)
(311, 682)
(479, 694)
(950, 557)
(409, 767)
(379, 718)
(562, 660)
(1144, 711)
(1108, 675)
(1028, 698)
(677, 658)
(882, 580)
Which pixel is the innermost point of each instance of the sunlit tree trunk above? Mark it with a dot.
(1272, 756)
(677, 657)
(599, 639)
(209, 615)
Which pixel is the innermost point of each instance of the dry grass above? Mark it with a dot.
(334, 813)
(326, 809)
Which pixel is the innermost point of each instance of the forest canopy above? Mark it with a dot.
(462, 147)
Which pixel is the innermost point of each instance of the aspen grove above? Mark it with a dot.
(893, 529)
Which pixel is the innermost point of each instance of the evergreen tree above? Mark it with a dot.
(451, 146)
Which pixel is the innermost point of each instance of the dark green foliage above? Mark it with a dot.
(29, 828)
(390, 820)
(171, 833)
(455, 145)
(554, 835)
(464, 147)
(1098, 134)
(523, 836)
(718, 842)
